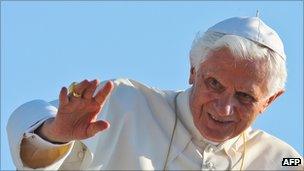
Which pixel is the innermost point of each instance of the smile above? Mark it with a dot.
(220, 121)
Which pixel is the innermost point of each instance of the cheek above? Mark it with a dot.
(252, 110)
(198, 99)
(247, 115)
(201, 101)
(202, 95)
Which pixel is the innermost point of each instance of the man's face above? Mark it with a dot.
(227, 95)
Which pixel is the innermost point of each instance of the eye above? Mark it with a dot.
(244, 98)
(214, 84)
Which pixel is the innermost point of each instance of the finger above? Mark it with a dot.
(79, 88)
(96, 127)
(104, 92)
(89, 91)
(63, 97)
(93, 113)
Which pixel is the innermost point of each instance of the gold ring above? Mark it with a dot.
(71, 90)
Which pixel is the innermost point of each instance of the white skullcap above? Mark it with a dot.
(252, 28)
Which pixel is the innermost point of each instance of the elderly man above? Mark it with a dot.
(237, 70)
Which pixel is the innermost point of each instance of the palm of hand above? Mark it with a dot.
(77, 116)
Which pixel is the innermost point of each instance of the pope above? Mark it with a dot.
(238, 68)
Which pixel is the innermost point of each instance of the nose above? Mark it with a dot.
(227, 109)
(224, 106)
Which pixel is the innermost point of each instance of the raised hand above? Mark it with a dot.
(76, 116)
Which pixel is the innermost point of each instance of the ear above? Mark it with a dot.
(272, 99)
(192, 75)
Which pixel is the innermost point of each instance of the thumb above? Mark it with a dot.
(97, 126)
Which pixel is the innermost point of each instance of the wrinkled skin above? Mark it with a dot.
(76, 118)
(228, 94)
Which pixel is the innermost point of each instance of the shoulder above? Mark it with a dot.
(133, 88)
(270, 150)
(272, 143)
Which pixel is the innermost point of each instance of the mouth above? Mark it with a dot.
(220, 121)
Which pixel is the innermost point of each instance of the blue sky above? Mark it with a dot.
(47, 45)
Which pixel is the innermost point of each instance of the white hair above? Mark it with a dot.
(241, 48)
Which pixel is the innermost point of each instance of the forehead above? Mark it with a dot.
(242, 73)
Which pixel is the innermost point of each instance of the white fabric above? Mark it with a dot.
(142, 120)
(23, 121)
(252, 28)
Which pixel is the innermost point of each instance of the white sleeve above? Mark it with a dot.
(24, 120)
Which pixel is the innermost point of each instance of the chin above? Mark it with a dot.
(215, 137)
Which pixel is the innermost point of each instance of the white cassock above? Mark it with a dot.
(142, 122)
